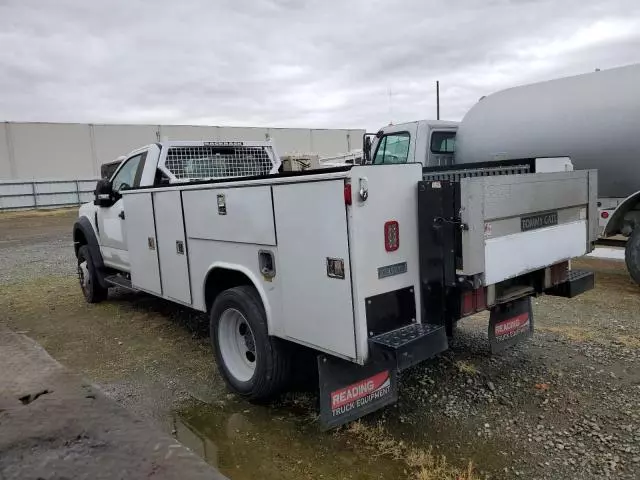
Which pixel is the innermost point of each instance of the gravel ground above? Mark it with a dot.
(36, 243)
(563, 405)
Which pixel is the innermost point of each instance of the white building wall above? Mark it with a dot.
(112, 141)
(291, 140)
(5, 159)
(70, 151)
(49, 150)
(186, 132)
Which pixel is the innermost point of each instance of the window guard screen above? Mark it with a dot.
(203, 162)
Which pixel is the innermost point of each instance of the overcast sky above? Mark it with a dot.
(293, 63)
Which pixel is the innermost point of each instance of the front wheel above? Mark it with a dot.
(88, 276)
(632, 255)
(253, 364)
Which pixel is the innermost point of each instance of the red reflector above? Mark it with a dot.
(481, 300)
(391, 236)
(347, 194)
(604, 214)
(473, 301)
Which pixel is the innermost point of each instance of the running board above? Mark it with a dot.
(412, 344)
(578, 281)
(119, 281)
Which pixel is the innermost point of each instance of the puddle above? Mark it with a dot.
(245, 441)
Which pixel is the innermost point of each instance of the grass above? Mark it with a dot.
(576, 334)
(108, 341)
(53, 212)
(467, 368)
(422, 464)
(579, 334)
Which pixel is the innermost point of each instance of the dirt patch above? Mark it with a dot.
(35, 224)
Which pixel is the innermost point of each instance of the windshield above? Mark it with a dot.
(443, 142)
(393, 148)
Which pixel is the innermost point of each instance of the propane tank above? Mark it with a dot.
(593, 118)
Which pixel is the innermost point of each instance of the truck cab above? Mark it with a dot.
(429, 142)
(107, 214)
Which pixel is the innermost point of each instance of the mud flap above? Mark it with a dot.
(510, 323)
(349, 391)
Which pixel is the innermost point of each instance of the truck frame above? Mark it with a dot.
(367, 266)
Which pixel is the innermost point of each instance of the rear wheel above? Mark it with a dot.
(92, 290)
(632, 255)
(253, 364)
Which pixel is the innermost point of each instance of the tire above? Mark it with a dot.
(632, 255)
(252, 364)
(88, 275)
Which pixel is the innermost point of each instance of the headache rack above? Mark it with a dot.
(194, 161)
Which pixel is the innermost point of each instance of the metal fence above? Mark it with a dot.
(22, 195)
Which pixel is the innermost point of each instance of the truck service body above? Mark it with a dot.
(368, 266)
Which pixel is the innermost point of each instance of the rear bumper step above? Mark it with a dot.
(578, 281)
(412, 344)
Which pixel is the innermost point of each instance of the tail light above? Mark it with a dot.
(473, 301)
(391, 236)
(347, 194)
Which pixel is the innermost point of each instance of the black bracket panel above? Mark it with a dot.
(391, 310)
(439, 233)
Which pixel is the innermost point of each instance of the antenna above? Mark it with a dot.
(390, 107)
(437, 99)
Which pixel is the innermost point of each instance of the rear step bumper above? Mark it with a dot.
(348, 390)
(412, 344)
(578, 281)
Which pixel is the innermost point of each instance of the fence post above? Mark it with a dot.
(77, 191)
(35, 195)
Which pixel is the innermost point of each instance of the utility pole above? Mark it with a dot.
(437, 99)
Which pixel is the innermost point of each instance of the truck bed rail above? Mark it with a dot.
(453, 173)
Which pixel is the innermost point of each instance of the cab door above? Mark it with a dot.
(112, 235)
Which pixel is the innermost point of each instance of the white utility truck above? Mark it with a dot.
(369, 266)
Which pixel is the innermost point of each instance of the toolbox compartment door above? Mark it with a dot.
(386, 271)
(311, 231)
(172, 246)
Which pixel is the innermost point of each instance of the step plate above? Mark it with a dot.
(412, 344)
(578, 281)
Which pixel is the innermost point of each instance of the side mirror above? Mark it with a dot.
(103, 194)
(366, 147)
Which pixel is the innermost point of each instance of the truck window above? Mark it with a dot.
(393, 148)
(129, 175)
(443, 142)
